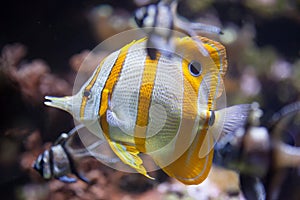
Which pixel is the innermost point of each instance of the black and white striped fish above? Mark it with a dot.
(160, 20)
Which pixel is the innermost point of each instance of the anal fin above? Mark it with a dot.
(129, 156)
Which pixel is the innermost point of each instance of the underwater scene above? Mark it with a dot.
(150, 99)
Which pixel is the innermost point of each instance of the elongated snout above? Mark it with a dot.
(64, 103)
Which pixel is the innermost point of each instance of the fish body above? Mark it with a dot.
(164, 107)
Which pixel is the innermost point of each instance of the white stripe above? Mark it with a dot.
(100, 82)
(92, 107)
(167, 98)
(125, 96)
(219, 77)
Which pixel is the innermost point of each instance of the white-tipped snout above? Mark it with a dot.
(64, 103)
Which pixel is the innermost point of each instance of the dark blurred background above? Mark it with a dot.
(42, 43)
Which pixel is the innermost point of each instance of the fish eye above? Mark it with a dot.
(195, 68)
(87, 94)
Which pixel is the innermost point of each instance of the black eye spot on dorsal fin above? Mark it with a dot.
(195, 68)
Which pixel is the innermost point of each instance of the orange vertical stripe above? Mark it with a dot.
(188, 167)
(108, 87)
(145, 93)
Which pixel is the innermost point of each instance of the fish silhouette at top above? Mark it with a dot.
(161, 19)
(166, 107)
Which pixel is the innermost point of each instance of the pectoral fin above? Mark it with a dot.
(114, 121)
(129, 156)
(227, 121)
(223, 125)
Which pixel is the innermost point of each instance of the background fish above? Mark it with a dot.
(161, 19)
(59, 161)
(166, 107)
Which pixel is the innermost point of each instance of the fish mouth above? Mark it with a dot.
(63, 103)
